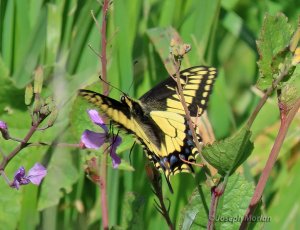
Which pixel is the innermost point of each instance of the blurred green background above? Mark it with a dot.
(57, 34)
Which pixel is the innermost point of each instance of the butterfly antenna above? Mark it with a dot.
(130, 87)
(111, 85)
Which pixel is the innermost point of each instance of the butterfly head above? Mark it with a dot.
(134, 106)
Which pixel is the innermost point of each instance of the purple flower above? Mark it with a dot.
(94, 140)
(4, 130)
(35, 176)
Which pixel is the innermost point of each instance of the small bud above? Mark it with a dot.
(38, 80)
(4, 130)
(52, 117)
(45, 110)
(28, 94)
(37, 105)
(49, 100)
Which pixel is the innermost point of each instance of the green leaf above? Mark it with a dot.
(290, 90)
(133, 211)
(23, 73)
(228, 154)
(61, 175)
(233, 203)
(286, 199)
(272, 47)
(10, 201)
(195, 213)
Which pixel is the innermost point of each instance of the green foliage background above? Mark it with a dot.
(56, 35)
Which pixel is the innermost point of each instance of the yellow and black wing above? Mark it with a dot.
(157, 119)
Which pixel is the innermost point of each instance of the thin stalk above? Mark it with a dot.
(284, 126)
(22, 145)
(216, 194)
(103, 164)
(188, 116)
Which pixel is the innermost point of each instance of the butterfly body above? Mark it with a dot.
(157, 120)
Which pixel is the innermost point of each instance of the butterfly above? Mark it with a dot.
(157, 119)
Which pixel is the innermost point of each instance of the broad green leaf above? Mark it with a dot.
(230, 153)
(9, 106)
(82, 26)
(195, 213)
(272, 46)
(29, 217)
(23, 73)
(62, 174)
(234, 23)
(10, 201)
(233, 203)
(199, 28)
(132, 213)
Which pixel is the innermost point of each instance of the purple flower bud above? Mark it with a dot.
(4, 130)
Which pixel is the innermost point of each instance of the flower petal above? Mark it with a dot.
(37, 173)
(116, 160)
(92, 140)
(20, 173)
(96, 119)
(19, 178)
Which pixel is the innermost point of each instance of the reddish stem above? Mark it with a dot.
(103, 165)
(284, 125)
(217, 192)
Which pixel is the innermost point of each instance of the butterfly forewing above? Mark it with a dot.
(116, 111)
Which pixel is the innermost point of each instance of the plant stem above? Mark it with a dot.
(263, 100)
(23, 144)
(284, 125)
(188, 117)
(103, 164)
(216, 194)
(155, 179)
(165, 212)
